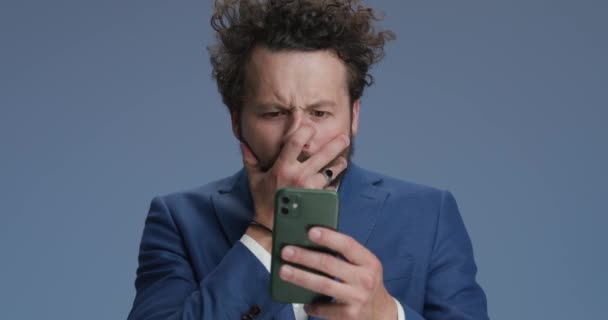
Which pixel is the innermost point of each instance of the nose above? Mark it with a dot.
(297, 118)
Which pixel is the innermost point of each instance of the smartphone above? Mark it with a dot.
(295, 212)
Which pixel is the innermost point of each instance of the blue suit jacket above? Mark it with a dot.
(193, 266)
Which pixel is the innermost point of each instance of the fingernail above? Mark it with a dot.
(286, 272)
(314, 234)
(288, 252)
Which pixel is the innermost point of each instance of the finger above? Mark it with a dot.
(319, 180)
(345, 245)
(250, 161)
(320, 261)
(295, 143)
(329, 152)
(318, 283)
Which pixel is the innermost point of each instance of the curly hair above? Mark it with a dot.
(344, 27)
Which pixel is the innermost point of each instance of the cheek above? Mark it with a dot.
(264, 140)
(325, 134)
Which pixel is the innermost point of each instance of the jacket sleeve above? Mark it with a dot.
(452, 291)
(167, 288)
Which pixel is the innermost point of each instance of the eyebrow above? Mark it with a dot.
(317, 104)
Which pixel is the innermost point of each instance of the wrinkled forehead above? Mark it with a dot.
(289, 75)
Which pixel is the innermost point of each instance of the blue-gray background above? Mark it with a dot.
(105, 104)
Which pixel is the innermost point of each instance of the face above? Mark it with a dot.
(291, 89)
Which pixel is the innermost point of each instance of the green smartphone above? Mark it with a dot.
(295, 212)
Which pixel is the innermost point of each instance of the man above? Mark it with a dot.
(292, 74)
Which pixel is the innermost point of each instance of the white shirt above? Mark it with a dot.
(265, 257)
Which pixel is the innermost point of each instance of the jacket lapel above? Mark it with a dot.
(360, 203)
(233, 206)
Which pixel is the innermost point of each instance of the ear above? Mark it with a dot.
(355, 117)
(236, 128)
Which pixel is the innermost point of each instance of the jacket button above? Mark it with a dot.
(246, 317)
(255, 310)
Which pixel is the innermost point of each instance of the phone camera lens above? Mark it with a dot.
(285, 200)
(284, 210)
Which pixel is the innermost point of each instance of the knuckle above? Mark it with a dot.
(368, 280)
(325, 262)
(339, 168)
(351, 313)
(349, 243)
(343, 162)
(325, 285)
(339, 164)
(358, 298)
(299, 180)
(344, 142)
(376, 267)
(366, 298)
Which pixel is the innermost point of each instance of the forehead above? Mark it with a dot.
(295, 76)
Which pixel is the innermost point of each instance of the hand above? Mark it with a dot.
(360, 292)
(287, 171)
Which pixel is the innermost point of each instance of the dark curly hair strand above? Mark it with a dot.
(344, 27)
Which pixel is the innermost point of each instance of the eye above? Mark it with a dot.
(274, 114)
(319, 114)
